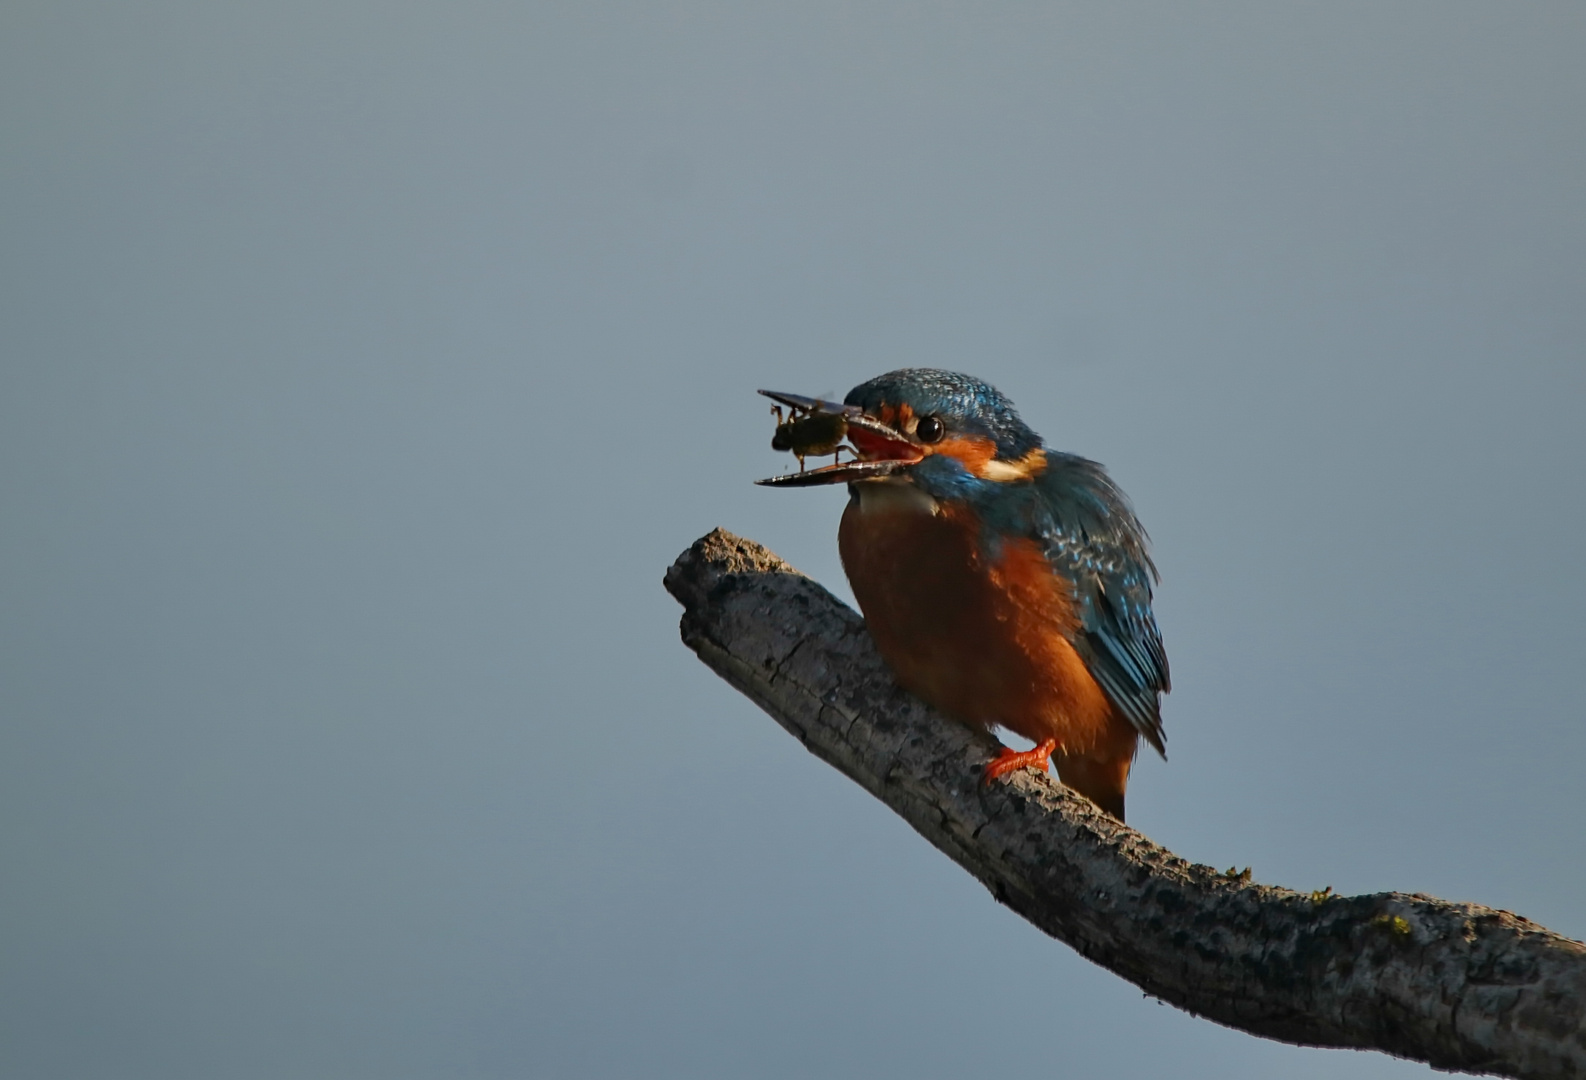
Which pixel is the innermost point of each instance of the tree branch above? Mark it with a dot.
(1461, 987)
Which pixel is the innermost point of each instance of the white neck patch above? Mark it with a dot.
(894, 495)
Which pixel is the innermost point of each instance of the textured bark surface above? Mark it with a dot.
(1459, 986)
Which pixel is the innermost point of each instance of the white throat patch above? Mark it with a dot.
(893, 495)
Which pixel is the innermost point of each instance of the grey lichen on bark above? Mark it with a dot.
(1459, 986)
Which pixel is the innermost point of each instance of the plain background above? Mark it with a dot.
(365, 365)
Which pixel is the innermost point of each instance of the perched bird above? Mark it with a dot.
(1004, 583)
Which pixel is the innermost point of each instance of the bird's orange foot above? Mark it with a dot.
(1009, 760)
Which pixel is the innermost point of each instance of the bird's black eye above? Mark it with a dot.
(929, 430)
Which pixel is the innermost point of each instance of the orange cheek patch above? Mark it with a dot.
(972, 451)
(979, 457)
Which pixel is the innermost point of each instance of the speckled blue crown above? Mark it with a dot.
(968, 405)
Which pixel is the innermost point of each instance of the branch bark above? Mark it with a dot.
(1459, 986)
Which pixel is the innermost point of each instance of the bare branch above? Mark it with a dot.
(1462, 987)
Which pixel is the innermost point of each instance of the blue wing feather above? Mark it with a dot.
(1094, 541)
(1095, 544)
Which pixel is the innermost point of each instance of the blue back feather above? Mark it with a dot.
(1093, 539)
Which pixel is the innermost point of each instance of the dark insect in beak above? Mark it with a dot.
(817, 428)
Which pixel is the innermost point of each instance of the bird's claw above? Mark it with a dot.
(1009, 760)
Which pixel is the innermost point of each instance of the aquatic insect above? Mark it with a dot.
(812, 434)
(812, 427)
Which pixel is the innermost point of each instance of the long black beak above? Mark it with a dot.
(812, 404)
(843, 473)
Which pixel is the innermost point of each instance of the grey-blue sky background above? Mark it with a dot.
(364, 366)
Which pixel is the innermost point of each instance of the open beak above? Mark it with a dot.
(880, 450)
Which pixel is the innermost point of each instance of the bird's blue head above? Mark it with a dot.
(906, 418)
(947, 412)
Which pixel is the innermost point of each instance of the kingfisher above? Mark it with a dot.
(1005, 584)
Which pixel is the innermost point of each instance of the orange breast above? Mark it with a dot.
(984, 640)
